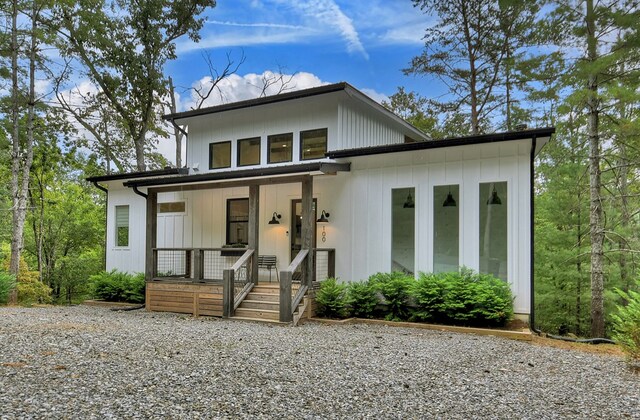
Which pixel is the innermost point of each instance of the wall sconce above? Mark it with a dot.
(274, 219)
(449, 201)
(409, 204)
(323, 217)
(494, 199)
(323, 220)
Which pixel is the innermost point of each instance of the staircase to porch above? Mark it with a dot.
(262, 304)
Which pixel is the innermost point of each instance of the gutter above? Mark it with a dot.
(140, 193)
(106, 209)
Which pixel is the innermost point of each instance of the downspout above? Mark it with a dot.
(106, 209)
(532, 326)
(137, 191)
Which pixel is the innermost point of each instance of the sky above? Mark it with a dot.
(364, 43)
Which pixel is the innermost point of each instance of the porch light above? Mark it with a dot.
(409, 204)
(323, 217)
(449, 201)
(274, 219)
(494, 199)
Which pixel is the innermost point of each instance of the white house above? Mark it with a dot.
(329, 172)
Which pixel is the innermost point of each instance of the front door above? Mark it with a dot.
(296, 226)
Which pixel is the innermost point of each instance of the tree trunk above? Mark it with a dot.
(596, 229)
(18, 207)
(176, 131)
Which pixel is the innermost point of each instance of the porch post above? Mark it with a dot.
(151, 234)
(307, 228)
(254, 229)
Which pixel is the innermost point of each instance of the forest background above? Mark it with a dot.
(506, 64)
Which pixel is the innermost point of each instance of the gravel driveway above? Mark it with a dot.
(87, 362)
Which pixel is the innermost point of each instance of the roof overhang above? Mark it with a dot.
(136, 175)
(542, 136)
(261, 176)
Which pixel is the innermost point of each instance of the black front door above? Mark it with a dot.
(296, 226)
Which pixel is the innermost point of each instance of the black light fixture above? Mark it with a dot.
(274, 219)
(494, 199)
(323, 217)
(409, 204)
(449, 201)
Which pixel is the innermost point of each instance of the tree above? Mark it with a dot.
(414, 109)
(472, 49)
(608, 35)
(123, 47)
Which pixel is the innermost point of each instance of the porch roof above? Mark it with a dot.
(141, 174)
(541, 134)
(269, 175)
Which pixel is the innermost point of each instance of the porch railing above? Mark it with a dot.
(289, 302)
(237, 283)
(325, 263)
(193, 264)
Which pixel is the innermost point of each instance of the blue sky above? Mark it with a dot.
(363, 43)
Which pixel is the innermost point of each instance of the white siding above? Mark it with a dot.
(361, 127)
(360, 205)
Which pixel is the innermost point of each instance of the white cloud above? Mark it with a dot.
(257, 25)
(376, 96)
(327, 12)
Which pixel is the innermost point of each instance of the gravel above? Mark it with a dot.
(90, 362)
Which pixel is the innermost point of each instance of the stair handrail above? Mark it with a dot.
(231, 300)
(287, 306)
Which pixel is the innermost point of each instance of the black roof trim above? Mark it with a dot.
(447, 142)
(145, 174)
(326, 167)
(319, 90)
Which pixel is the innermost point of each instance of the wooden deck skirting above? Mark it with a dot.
(183, 297)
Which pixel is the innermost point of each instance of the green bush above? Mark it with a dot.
(396, 289)
(463, 297)
(362, 299)
(115, 286)
(331, 299)
(626, 324)
(7, 283)
(32, 291)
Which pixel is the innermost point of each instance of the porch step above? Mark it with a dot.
(257, 314)
(249, 303)
(271, 288)
(263, 297)
(262, 321)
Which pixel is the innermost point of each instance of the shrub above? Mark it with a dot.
(7, 283)
(395, 288)
(331, 299)
(115, 286)
(362, 299)
(32, 291)
(463, 297)
(626, 324)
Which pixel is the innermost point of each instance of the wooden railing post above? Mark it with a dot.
(286, 278)
(228, 292)
(331, 263)
(197, 264)
(154, 267)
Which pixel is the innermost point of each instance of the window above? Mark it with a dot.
(493, 229)
(122, 225)
(313, 144)
(446, 199)
(238, 221)
(220, 155)
(280, 148)
(403, 227)
(172, 207)
(249, 151)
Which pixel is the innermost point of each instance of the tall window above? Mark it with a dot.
(280, 148)
(238, 221)
(403, 227)
(122, 225)
(493, 229)
(249, 151)
(313, 144)
(446, 199)
(220, 155)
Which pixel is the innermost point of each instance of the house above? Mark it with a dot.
(315, 183)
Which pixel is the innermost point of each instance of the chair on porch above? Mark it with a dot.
(268, 262)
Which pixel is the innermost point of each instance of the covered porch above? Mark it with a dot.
(216, 280)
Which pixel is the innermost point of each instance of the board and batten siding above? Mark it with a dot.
(359, 202)
(126, 258)
(359, 126)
